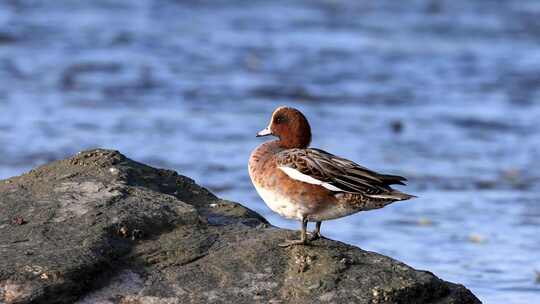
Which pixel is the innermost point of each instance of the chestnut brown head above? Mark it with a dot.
(290, 126)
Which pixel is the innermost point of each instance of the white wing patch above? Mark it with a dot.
(297, 175)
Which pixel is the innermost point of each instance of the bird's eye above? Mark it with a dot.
(280, 119)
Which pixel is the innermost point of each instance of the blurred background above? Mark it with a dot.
(446, 93)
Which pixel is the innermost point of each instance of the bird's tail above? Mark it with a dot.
(400, 196)
(394, 195)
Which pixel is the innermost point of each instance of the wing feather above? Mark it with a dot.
(316, 166)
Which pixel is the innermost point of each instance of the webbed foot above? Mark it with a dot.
(303, 236)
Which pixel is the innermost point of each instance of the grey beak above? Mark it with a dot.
(264, 132)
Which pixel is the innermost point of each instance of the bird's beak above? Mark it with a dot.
(264, 132)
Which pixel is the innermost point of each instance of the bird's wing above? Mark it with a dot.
(338, 174)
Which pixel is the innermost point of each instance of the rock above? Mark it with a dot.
(101, 228)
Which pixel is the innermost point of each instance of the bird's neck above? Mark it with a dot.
(300, 141)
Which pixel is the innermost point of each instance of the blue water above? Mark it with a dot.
(187, 84)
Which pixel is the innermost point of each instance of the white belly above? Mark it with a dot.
(281, 205)
(291, 210)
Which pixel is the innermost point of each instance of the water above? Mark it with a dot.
(187, 84)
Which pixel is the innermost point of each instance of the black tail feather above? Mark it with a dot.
(393, 179)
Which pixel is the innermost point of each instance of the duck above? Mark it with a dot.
(307, 184)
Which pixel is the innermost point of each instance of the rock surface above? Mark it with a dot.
(101, 228)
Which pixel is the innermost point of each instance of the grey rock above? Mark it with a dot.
(101, 228)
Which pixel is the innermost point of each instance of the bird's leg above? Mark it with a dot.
(303, 236)
(317, 232)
